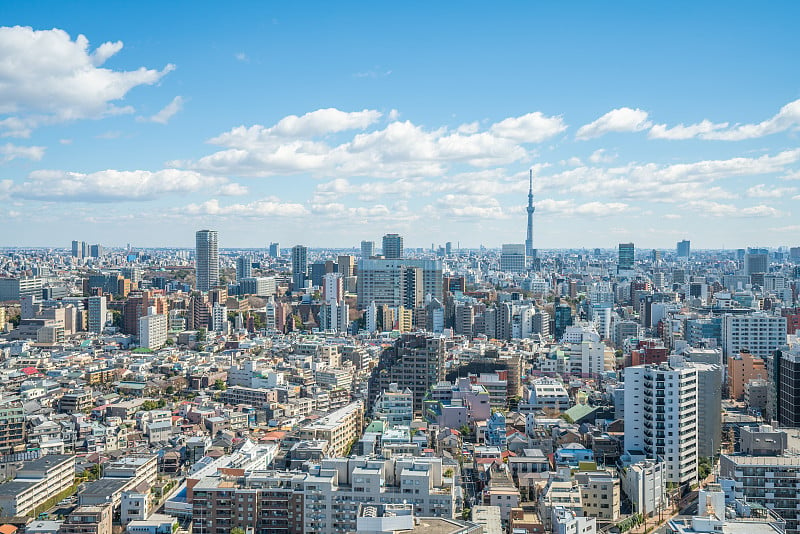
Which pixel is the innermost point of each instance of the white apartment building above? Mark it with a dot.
(219, 318)
(394, 406)
(661, 417)
(546, 393)
(760, 333)
(153, 331)
(644, 484)
(334, 490)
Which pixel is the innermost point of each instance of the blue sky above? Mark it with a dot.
(325, 124)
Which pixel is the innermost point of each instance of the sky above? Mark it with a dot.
(326, 123)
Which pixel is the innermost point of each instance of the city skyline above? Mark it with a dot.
(144, 131)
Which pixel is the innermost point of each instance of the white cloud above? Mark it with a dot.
(400, 149)
(716, 209)
(531, 128)
(680, 131)
(267, 207)
(11, 151)
(616, 120)
(787, 118)
(46, 77)
(233, 190)
(163, 116)
(112, 185)
(241, 56)
(763, 191)
(601, 155)
(590, 209)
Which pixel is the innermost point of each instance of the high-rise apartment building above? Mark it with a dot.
(244, 267)
(299, 267)
(415, 362)
(153, 330)
(513, 258)
(392, 246)
(206, 260)
(758, 332)
(625, 257)
(661, 417)
(367, 249)
(97, 314)
(684, 248)
(783, 395)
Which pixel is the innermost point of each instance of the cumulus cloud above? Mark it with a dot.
(166, 113)
(112, 185)
(716, 209)
(531, 128)
(764, 191)
(787, 118)
(616, 120)
(10, 151)
(590, 209)
(399, 149)
(601, 155)
(267, 207)
(680, 131)
(46, 77)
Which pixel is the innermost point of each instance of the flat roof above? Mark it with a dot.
(104, 487)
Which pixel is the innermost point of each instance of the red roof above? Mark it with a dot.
(30, 370)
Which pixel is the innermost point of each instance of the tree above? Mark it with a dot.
(237, 530)
(220, 385)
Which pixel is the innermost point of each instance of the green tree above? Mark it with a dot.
(237, 530)
(219, 385)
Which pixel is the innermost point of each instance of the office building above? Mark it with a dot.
(625, 258)
(756, 261)
(275, 250)
(347, 265)
(299, 267)
(392, 246)
(244, 267)
(17, 288)
(260, 286)
(513, 258)
(661, 417)
(206, 260)
(367, 249)
(98, 314)
(396, 282)
(684, 248)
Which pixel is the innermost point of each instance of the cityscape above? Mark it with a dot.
(457, 316)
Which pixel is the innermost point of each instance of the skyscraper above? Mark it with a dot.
(684, 248)
(530, 209)
(367, 249)
(206, 260)
(244, 267)
(274, 250)
(392, 246)
(299, 266)
(625, 259)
